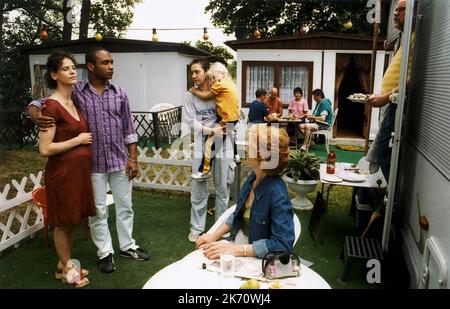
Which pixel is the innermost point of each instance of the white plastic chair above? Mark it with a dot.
(240, 237)
(328, 133)
(161, 107)
(165, 130)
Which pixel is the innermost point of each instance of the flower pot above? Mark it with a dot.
(301, 187)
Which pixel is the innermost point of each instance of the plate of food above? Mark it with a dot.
(351, 177)
(332, 178)
(358, 98)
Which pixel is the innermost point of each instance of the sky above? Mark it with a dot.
(174, 14)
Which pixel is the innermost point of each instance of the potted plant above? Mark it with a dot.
(302, 176)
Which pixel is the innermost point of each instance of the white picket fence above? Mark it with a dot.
(170, 171)
(23, 217)
(157, 171)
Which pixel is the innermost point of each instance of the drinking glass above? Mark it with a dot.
(227, 264)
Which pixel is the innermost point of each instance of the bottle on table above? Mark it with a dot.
(331, 162)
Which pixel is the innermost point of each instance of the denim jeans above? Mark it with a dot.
(223, 172)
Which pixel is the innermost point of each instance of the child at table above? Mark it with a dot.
(298, 108)
(224, 91)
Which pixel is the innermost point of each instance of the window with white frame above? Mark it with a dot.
(285, 76)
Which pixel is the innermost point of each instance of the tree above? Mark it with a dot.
(84, 21)
(22, 29)
(21, 22)
(218, 51)
(67, 19)
(276, 17)
(109, 17)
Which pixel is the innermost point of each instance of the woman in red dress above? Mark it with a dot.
(68, 170)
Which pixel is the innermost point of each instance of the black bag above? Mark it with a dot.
(276, 265)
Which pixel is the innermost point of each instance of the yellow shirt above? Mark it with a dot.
(226, 96)
(391, 78)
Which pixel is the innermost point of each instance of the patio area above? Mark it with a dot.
(161, 226)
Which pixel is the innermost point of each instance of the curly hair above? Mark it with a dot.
(54, 62)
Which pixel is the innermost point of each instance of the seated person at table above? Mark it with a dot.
(263, 211)
(298, 108)
(323, 113)
(274, 103)
(258, 112)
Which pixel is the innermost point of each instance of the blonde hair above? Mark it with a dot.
(270, 146)
(219, 68)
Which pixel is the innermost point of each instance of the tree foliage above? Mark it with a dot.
(275, 17)
(209, 47)
(218, 51)
(112, 17)
(21, 23)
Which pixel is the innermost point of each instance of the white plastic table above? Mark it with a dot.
(317, 221)
(189, 274)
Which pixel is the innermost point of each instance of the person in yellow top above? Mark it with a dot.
(224, 91)
(380, 152)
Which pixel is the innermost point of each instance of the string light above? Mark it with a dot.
(348, 25)
(154, 36)
(44, 34)
(98, 36)
(257, 33)
(205, 34)
(302, 30)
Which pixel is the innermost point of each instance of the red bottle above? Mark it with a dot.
(331, 162)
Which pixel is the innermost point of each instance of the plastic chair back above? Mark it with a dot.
(40, 198)
(161, 107)
(328, 133)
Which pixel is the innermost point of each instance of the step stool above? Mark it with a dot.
(362, 249)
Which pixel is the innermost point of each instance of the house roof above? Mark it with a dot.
(320, 41)
(117, 46)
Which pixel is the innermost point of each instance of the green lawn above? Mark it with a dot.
(161, 226)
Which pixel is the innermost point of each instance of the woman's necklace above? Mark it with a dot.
(68, 104)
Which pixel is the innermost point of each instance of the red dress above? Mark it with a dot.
(68, 175)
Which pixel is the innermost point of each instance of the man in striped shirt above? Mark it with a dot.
(106, 109)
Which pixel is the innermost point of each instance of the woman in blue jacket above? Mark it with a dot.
(263, 211)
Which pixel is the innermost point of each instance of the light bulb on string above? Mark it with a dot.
(205, 34)
(43, 34)
(98, 37)
(348, 25)
(257, 33)
(302, 30)
(154, 36)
